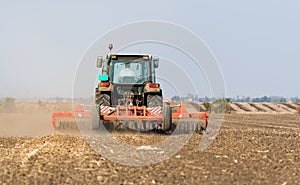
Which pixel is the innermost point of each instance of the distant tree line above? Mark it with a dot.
(278, 99)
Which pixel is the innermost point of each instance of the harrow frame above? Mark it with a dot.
(129, 113)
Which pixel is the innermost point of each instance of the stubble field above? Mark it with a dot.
(251, 148)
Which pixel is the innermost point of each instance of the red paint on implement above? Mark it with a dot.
(129, 113)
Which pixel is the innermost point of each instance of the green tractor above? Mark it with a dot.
(128, 94)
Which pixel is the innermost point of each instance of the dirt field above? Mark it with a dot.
(250, 149)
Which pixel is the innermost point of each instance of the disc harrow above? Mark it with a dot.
(132, 118)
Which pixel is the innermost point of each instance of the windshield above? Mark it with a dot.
(128, 71)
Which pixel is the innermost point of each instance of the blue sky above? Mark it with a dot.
(256, 42)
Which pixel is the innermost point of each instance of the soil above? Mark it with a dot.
(250, 149)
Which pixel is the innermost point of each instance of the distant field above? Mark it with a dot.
(249, 108)
(239, 108)
(30, 107)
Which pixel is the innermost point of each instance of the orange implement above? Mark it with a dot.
(128, 113)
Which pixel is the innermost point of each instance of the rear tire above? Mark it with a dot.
(102, 99)
(167, 117)
(95, 118)
(154, 101)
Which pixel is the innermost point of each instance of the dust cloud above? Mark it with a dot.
(29, 118)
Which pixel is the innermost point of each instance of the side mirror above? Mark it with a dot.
(99, 61)
(155, 62)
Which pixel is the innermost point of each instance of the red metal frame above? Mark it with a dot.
(129, 113)
(183, 113)
(78, 112)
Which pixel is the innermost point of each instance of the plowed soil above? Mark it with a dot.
(250, 149)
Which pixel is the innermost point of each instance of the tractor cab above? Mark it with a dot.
(128, 79)
(128, 68)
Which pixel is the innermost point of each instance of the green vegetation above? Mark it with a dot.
(218, 106)
(207, 106)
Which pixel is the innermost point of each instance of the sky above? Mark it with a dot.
(256, 43)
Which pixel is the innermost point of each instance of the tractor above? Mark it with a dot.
(128, 94)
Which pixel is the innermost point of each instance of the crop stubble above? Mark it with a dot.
(250, 148)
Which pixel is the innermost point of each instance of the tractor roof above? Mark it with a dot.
(128, 55)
